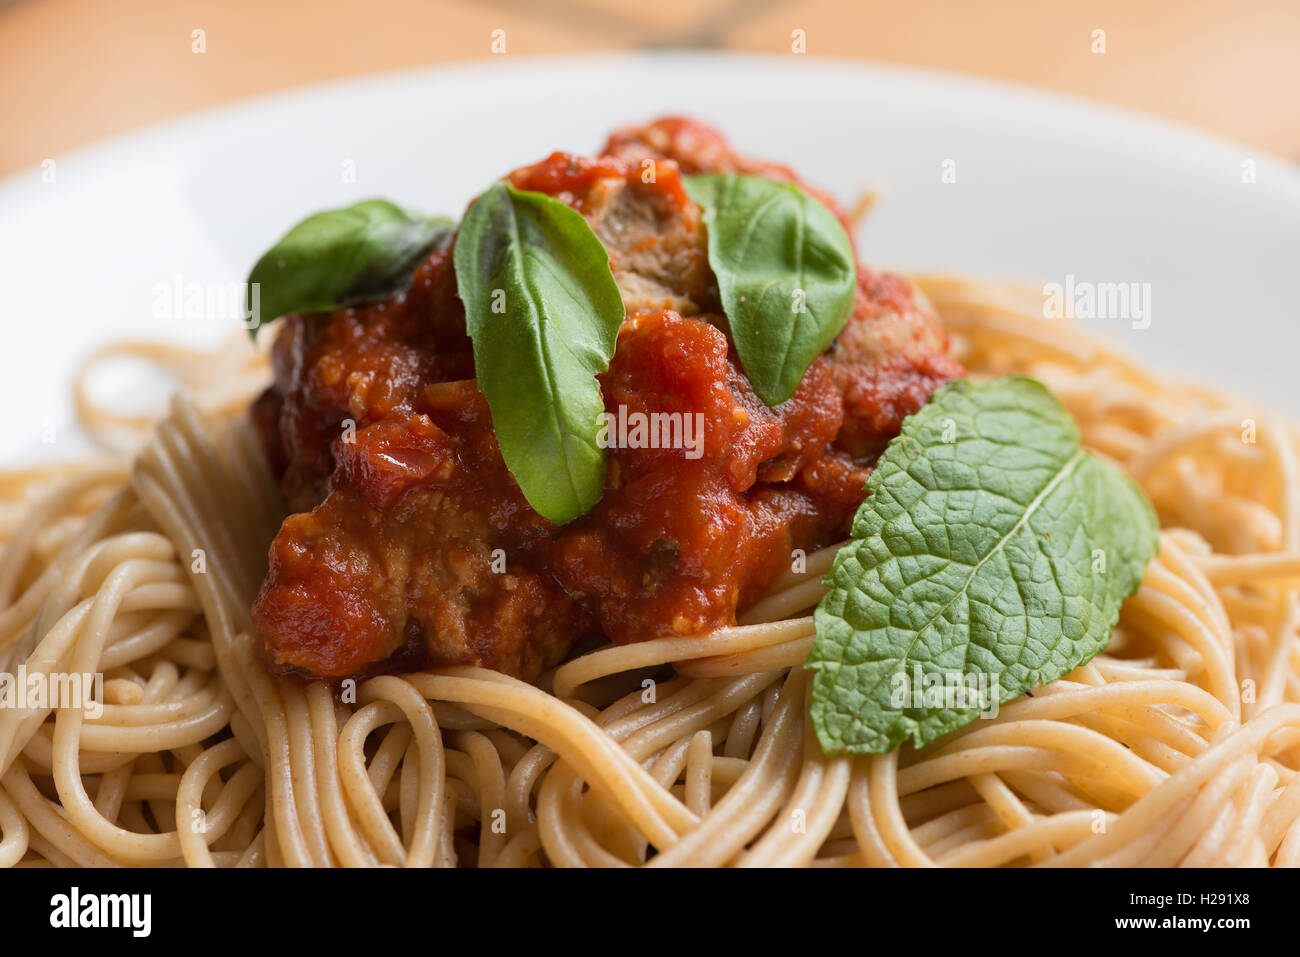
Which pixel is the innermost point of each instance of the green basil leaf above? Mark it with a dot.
(785, 271)
(543, 311)
(342, 256)
(991, 547)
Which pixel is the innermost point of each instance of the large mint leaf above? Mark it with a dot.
(990, 543)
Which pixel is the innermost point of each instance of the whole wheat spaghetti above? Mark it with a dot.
(1179, 744)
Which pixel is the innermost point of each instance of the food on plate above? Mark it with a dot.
(632, 519)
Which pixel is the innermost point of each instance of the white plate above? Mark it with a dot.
(1046, 187)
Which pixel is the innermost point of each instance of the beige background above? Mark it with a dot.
(73, 71)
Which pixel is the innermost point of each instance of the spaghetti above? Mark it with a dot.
(1178, 745)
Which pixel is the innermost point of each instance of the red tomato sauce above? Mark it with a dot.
(409, 543)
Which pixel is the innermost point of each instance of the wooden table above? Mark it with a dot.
(73, 71)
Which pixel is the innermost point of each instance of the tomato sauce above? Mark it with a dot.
(410, 543)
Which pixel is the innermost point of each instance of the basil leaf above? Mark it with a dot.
(341, 256)
(989, 544)
(785, 271)
(543, 311)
